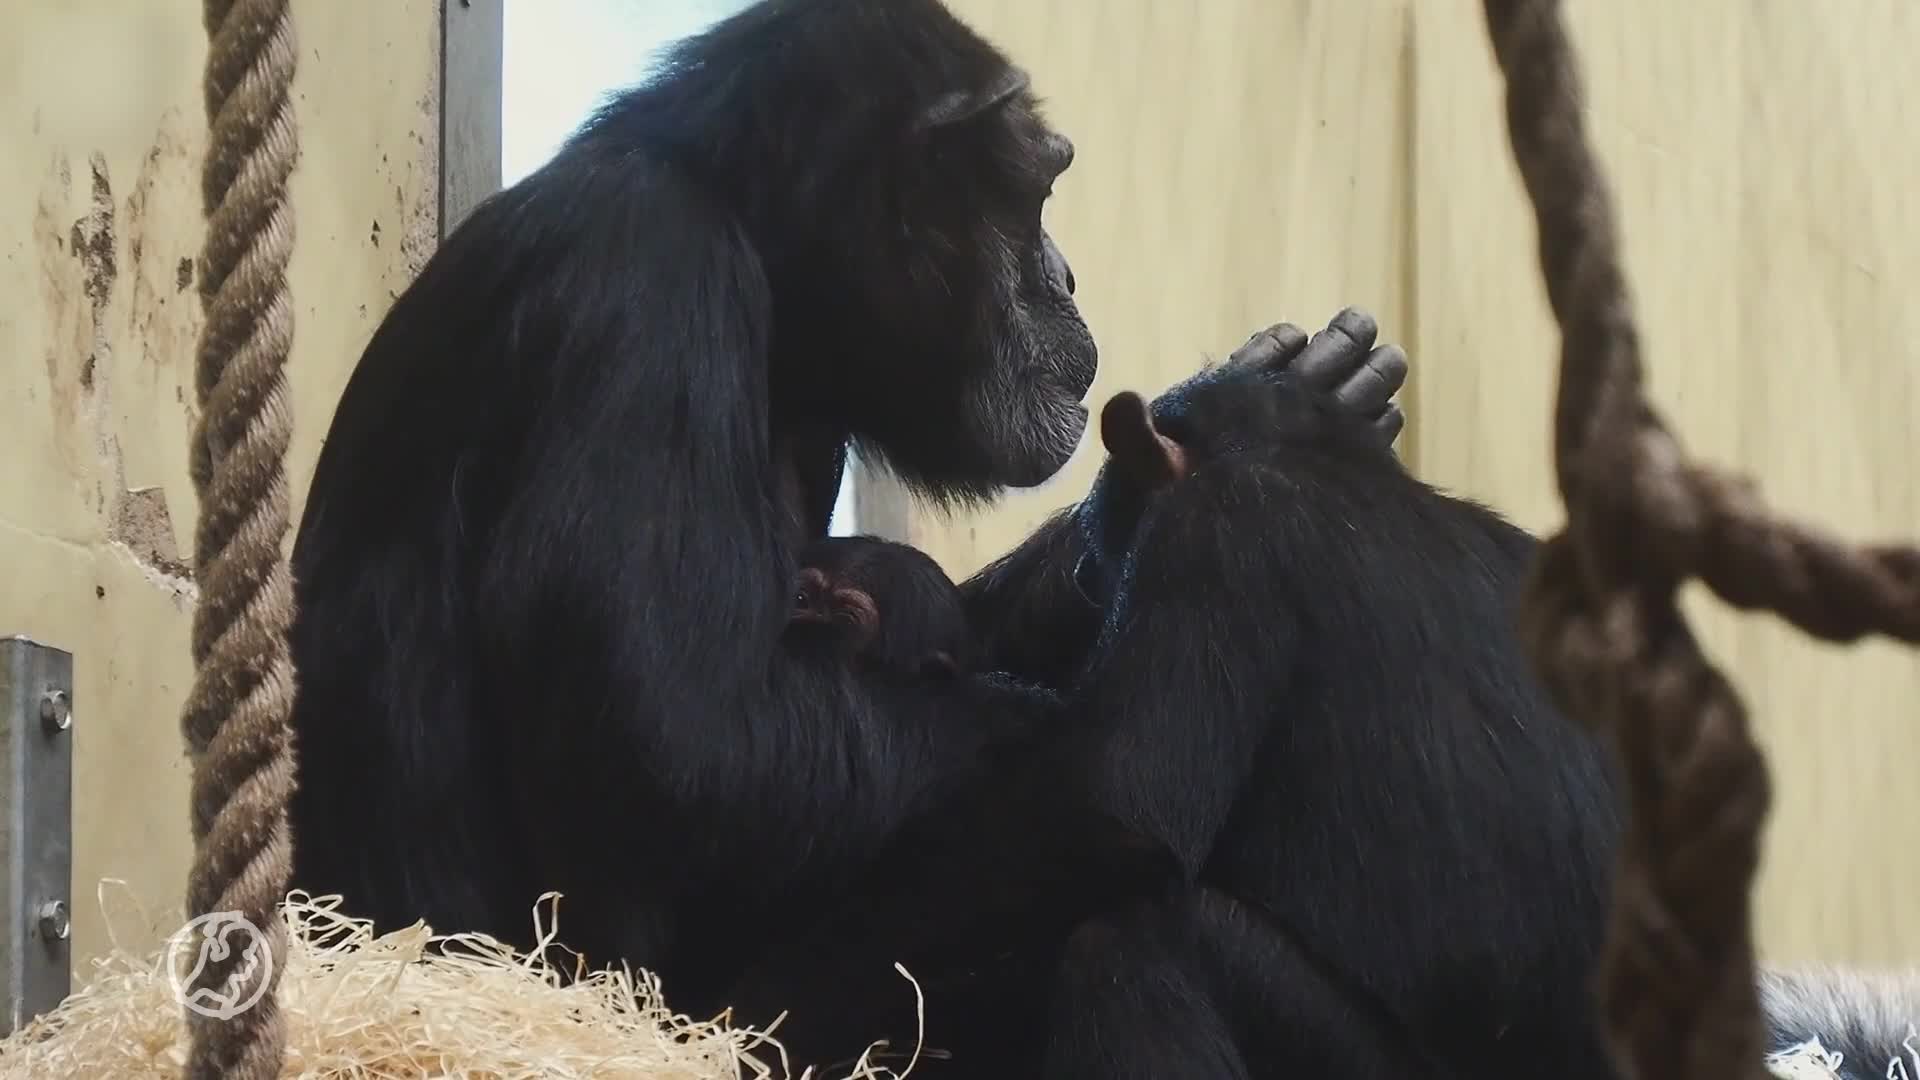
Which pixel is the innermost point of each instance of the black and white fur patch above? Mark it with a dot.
(1858, 1025)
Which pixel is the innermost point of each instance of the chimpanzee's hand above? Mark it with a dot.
(1341, 361)
(1280, 385)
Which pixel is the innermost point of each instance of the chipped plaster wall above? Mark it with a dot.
(100, 223)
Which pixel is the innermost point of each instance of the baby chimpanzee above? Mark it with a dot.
(888, 604)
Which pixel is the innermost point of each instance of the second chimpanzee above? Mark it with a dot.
(1385, 779)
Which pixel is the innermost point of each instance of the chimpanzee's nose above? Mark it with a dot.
(1060, 148)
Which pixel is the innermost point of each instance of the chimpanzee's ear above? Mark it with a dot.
(1136, 447)
(958, 105)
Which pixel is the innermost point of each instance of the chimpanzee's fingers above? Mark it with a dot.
(1371, 388)
(1272, 348)
(1337, 352)
(1388, 427)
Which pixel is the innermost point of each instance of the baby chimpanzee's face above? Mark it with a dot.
(839, 602)
(889, 605)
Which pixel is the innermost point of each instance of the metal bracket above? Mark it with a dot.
(36, 829)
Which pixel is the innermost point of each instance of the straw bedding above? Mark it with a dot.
(361, 1007)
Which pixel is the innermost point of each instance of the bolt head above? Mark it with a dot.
(56, 710)
(55, 922)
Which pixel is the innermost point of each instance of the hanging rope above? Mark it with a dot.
(1676, 983)
(235, 718)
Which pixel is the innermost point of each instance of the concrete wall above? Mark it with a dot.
(100, 223)
(1245, 162)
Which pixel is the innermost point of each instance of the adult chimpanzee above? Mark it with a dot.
(544, 566)
(886, 604)
(1390, 846)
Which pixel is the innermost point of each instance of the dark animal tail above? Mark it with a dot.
(1867, 1025)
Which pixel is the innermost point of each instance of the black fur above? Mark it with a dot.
(544, 568)
(1201, 985)
(1030, 615)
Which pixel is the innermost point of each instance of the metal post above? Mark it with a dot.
(36, 842)
(471, 54)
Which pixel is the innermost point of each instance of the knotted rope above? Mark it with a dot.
(1676, 984)
(235, 718)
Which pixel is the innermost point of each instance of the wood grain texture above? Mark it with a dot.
(1242, 163)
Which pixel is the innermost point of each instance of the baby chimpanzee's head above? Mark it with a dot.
(890, 604)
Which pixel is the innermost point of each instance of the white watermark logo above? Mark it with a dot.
(219, 935)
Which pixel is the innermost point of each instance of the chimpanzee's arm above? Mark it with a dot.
(1028, 615)
(1184, 681)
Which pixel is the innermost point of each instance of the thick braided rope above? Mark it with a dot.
(1696, 521)
(235, 717)
(1676, 984)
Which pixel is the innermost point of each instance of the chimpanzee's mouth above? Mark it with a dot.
(1082, 367)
